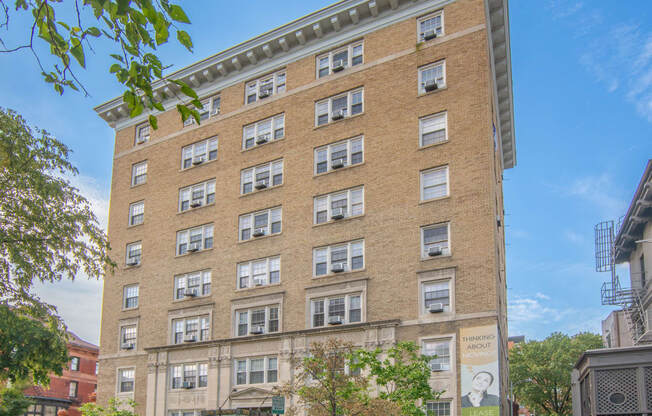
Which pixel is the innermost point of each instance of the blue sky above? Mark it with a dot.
(582, 75)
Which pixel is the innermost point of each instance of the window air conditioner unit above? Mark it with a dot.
(141, 140)
(127, 346)
(340, 114)
(436, 307)
(193, 247)
(198, 160)
(435, 251)
(338, 163)
(257, 330)
(262, 138)
(338, 65)
(258, 282)
(190, 338)
(188, 385)
(133, 262)
(264, 92)
(259, 232)
(335, 320)
(337, 267)
(430, 85)
(261, 184)
(338, 213)
(429, 34)
(191, 293)
(195, 203)
(436, 367)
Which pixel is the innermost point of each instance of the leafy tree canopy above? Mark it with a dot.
(12, 401)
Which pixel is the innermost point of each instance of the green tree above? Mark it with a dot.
(540, 371)
(133, 28)
(115, 408)
(12, 401)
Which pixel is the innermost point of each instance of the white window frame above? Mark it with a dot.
(329, 56)
(135, 169)
(184, 237)
(75, 362)
(328, 198)
(245, 270)
(73, 392)
(181, 285)
(329, 102)
(438, 30)
(186, 195)
(441, 82)
(126, 375)
(124, 329)
(250, 219)
(135, 247)
(278, 86)
(329, 151)
(248, 312)
(193, 152)
(143, 132)
(200, 369)
(430, 283)
(277, 123)
(266, 369)
(136, 209)
(447, 250)
(127, 291)
(329, 250)
(446, 183)
(347, 308)
(203, 327)
(426, 119)
(272, 168)
(184, 412)
(435, 342)
(437, 412)
(210, 108)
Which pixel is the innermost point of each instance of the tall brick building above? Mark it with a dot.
(345, 181)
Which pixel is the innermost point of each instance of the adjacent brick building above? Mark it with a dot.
(346, 180)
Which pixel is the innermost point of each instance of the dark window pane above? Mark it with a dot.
(278, 133)
(356, 109)
(249, 143)
(276, 227)
(277, 179)
(357, 262)
(357, 60)
(247, 187)
(212, 155)
(251, 98)
(210, 198)
(323, 72)
(322, 167)
(246, 234)
(320, 269)
(322, 119)
(356, 158)
(322, 216)
(187, 163)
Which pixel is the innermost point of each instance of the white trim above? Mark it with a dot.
(429, 16)
(329, 252)
(328, 198)
(446, 252)
(329, 150)
(422, 184)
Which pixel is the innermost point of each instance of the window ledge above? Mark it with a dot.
(208, 162)
(264, 237)
(330, 123)
(336, 326)
(269, 188)
(129, 309)
(423, 94)
(331, 274)
(316, 175)
(182, 390)
(238, 387)
(196, 252)
(428, 201)
(247, 289)
(195, 209)
(187, 299)
(263, 145)
(442, 256)
(138, 184)
(134, 226)
(127, 267)
(337, 221)
(428, 146)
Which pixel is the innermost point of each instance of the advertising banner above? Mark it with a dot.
(479, 366)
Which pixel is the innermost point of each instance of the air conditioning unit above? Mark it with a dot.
(133, 262)
(429, 34)
(436, 307)
(435, 251)
(141, 140)
(257, 330)
(436, 367)
(192, 247)
(127, 346)
(338, 65)
(430, 85)
(340, 114)
(195, 203)
(335, 320)
(198, 160)
(264, 92)
(190, 338)
(261, 184)
(258, 282)
(337, 267)
(262, 138)
(190, 293)
(188, 385)
(259, 232)
(338, 163)
(338, 213)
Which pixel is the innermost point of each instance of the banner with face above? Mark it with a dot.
(479, 366)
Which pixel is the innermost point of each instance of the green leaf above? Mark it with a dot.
(115, 68)
(78, 52)
(137, 110)
(177, 14)
(117, 57)
(123, 7)
(93, 31)
(64, 25)
(153, 122)
(185, 112)
(158, 106)
(188, 91)
(184, 38)
(162, 33)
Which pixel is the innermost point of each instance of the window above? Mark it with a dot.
(261, 177)
(434, 240)
(432, 129)
(265, 222)
(432, 77)
(74, 364)
(338, 258)
(339, 106)
(441, 352)
(438, 409)
(434, 183)
(184, 413)
(134, 253)
(125, 380)
(139, 173)
(128, 337)
(192, 285)
(189, 376)
(256, 321)
(130, 295)
(338, 205)
(265, 87)
(196, 196)
(263, 131)
(195, 239)
(339, 59)
(437, 293)
(142, 133)
(136, 213)
(431, 26)
(261, 272)
(191, 329)
(336, 310)
(210, 108)
(72, 391)
(256, 370)
(198, 153)
(338, 155)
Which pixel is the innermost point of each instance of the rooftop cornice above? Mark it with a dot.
(625, 239)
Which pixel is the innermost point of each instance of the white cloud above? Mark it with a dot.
(541, 296)
(575, 238)
(599, 191)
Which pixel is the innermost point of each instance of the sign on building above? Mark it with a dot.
(479, 366)
(278, 405)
